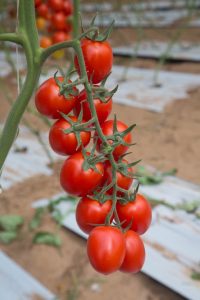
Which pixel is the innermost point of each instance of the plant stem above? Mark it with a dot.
(76, 4)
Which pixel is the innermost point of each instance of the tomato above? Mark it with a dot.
(89, 211)
(135, 253)
(138, 212)
(75, 180)
(123, 181)
(60, 36)
(43, 10)
(107, 128)
(59, 54)
(67, 8)
(106, 249)
(56, 5)
(103, 109)
(98, 59)
(50, 103)
(37, 2)
(45, 42)
(40, 23)
(59, 21)
(66, 144)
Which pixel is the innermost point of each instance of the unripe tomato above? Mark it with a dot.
(135, 253)
(98, 58)
(40, 23)
(106, 249)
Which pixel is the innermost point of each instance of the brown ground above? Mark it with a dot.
(166, 140)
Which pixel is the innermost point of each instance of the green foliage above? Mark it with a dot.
(11, 222)
(47, 238)
(6, 237)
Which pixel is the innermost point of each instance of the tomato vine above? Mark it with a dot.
(104, 176)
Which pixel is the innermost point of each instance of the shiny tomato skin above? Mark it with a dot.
(50, 103)
(123, 181)
(98, 58)
(107, 128)
(43, 10)
(90, 211)
(106, 249)
(66, 144)
(59, 21)
(45, 42)
(60, 36)
(67, 8)
(138, 212)
(75, 180)
(56, 5)
(103, 110)
(135, 253)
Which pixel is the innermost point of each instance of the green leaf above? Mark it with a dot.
(195, 275)
(6, 237)
(47, 238)
(11, 222)
(37, 219)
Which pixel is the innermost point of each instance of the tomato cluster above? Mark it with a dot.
(54, 20)
(108, 211)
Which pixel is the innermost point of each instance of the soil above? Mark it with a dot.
(165, 140)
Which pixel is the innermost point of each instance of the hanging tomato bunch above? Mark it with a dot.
(111, 213)
(54, 21)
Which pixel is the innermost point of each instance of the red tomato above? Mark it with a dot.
(107, 128)
(67, 8)
(37, 2)
(66, 144)
(43, 10)
(98, 59)
(75, 180)
(90, 212)
(45, 42)
(59, 21)
(106, 249)
(135, 253)
(60, 36)
(56, 5)
(138, 212)
(123, 182)
(103, 109)
(50, 103)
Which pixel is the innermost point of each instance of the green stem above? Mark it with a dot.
(76, 5)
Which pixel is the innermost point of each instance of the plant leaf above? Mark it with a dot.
(6, 237)
(37, 218)
(11, 222)
(47, 238)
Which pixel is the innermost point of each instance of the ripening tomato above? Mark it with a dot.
(77, 181)
(59, 21)
(66, 144)
(107, 128)
(45, 42)
(42, 10)
(60, 36)
(138, 212)
(50, 103)
(123, 181)
(135, 253)
(98, 59)
(90, 211)
(40, 23)
(59, 54)
(106, 249)
(103, 109)
(56, 5)
(67, 8)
